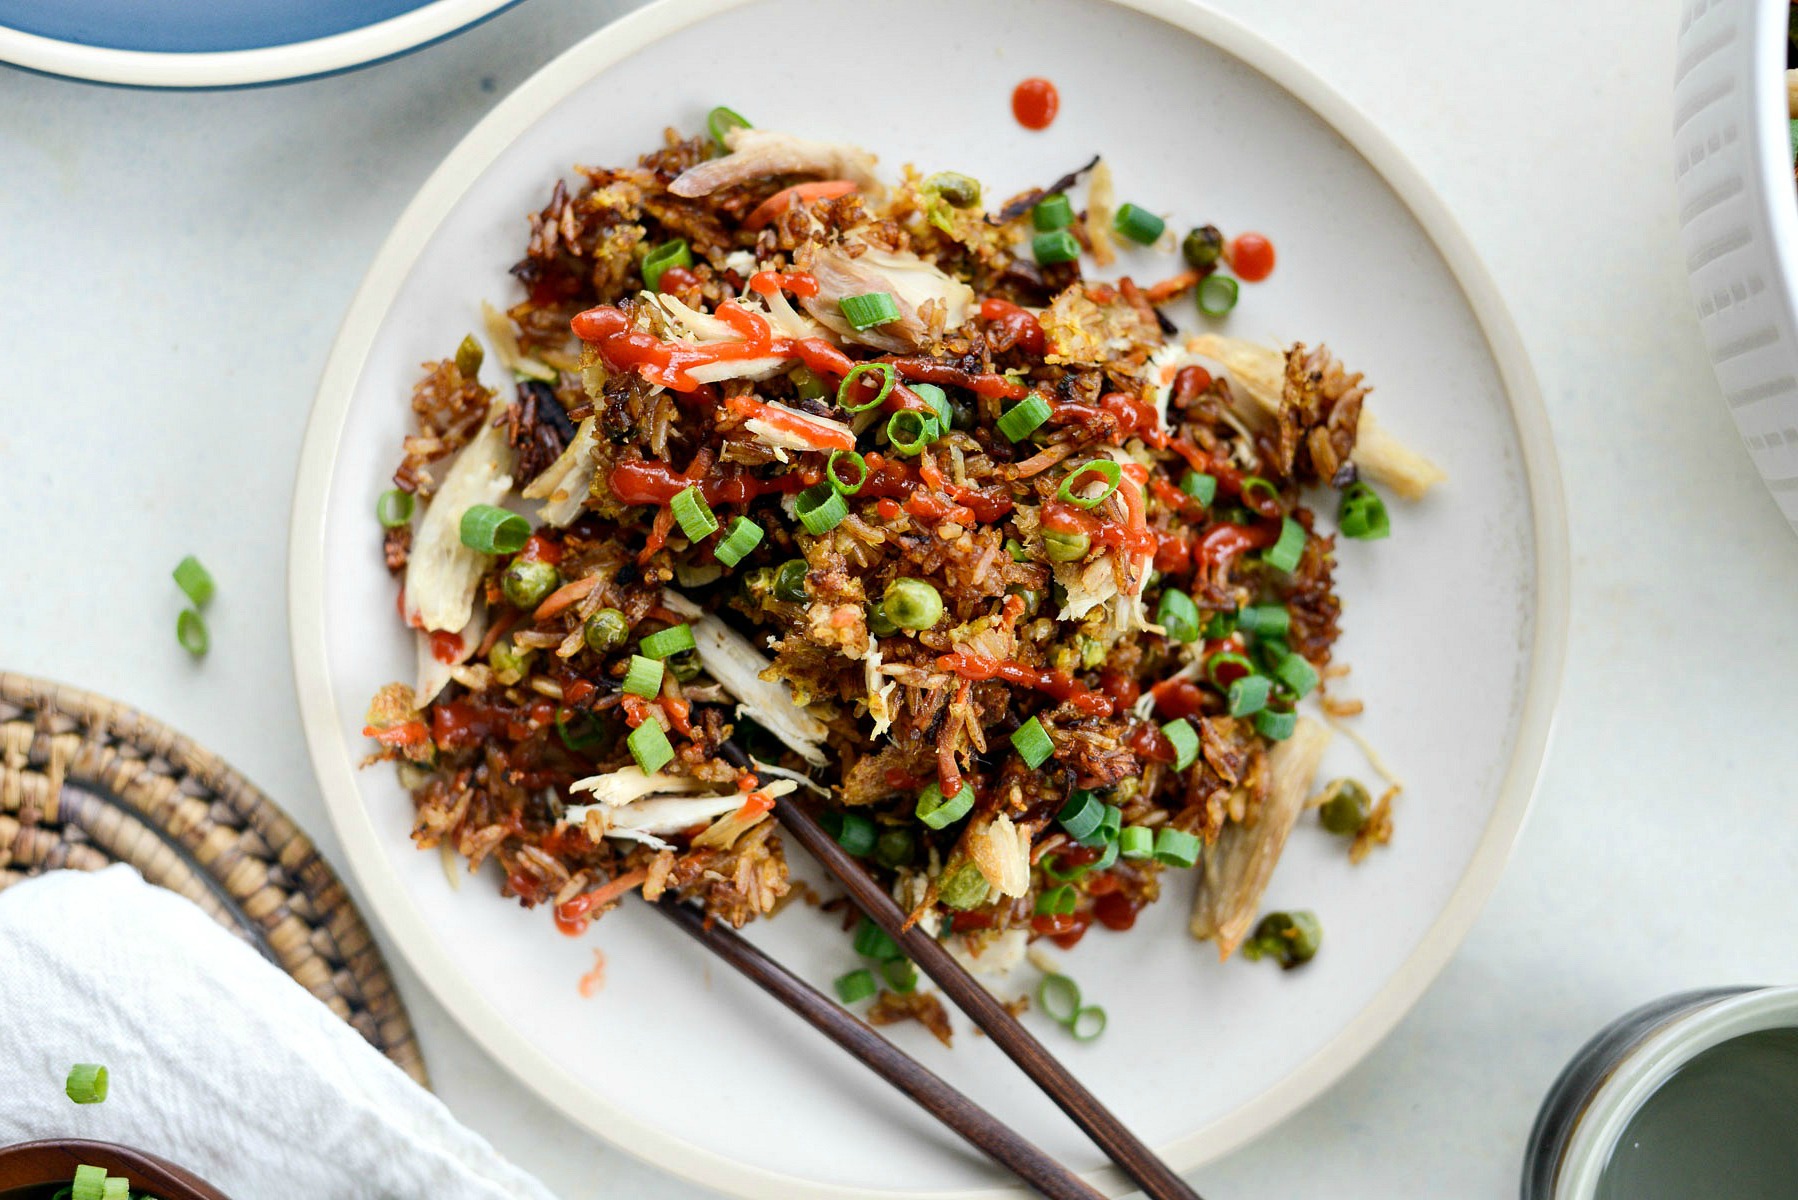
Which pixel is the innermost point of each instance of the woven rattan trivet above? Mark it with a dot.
(85, 782)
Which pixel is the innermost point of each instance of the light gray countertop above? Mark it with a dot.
(174, 267)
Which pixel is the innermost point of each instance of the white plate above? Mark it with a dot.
(1454, 627)
(1738, 216)
(222, 43)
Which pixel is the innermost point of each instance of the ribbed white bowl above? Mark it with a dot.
(1738, 215)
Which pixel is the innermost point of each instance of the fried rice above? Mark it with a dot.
(1014, 581)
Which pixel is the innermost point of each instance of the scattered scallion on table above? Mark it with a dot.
(86, 1083)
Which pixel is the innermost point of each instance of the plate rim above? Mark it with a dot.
(400, 917)
(285, 63)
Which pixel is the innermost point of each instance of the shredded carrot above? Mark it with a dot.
(612, 889)
(595, 979)
(658, 535)
(784, 199)
(495, 632)
(1168, 289)
(1043, 459)
(754, 805)
(565, 595)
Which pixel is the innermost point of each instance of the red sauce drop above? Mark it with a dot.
(1061, 517)
(1068, 940)
(1149, 742)
(646, 481)
(1177, 698)
(1058, 684)
(1115, 911)
(677, 279)
(446, 646)
(1034, 103)
(800, 283)
(1252, 256)
(1224, 542)
(1019, 325)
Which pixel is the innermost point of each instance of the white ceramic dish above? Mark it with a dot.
(1738, 216)
(1455, 626)
(142, 43)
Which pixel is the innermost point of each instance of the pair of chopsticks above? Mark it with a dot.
(973, 1123)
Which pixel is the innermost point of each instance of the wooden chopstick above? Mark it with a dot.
(979, 1127)
(1124, 1148)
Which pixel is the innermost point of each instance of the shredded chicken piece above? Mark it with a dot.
(762, 153)
(929, 301)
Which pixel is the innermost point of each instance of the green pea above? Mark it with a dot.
(789, 581)
(894, 848)
(1289, 938)
(1203, 246)
(912, 604)
(964, 888)
(509, 663)
(1345, 808)
(879, 624)
(1066, 547)
(606, 630)
(961, 191)
(527, 583)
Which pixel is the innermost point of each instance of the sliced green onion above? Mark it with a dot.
(1254, 485)
(852, 831)
(938, 400)
(964, 889)
(190, 631)
(116, 1187)
(693, 513)
(900, 975)
(857, 464)
(1220, 625)
(493, 530)
(1217, 295)
(1264, 620)
(871, 941)
(879, 624)
(743, 536)
(1271, 651)
(1199, 486)
(1032, 743)
(1138, 224)
(961, 191)
(649, 746)
(1059, 998)
(1020, 421)
(857, 985)
(469, 356)
(1110, 818)
(676, 639)
(939, 813)
(1176, 847)
(868, 310)
(1226, 658)
(1109, 473)
(1248, 695)
(1276, 726)
(1016, 549)
(1136, 841)
(821, 508)
(846, 391)
(807, 383)
(89, 1183)
(589, 733)
(644, 678)
(1185, 742)
(1088, 1023)
(722, 120)
(1297, 674)
(1082, 814)
(912, 604)
(86, 1083)
(1058, 246)
(909, 432)
(195, 580)
(1284, 554)
(789, 581)
(894, 848)
(1052, 213)
(1056, 902)
(394, 508)
(1363, 514)
(1178, 615)
(662, 258)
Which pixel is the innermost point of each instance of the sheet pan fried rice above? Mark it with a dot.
(1014, 580)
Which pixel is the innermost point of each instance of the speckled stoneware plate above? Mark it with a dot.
(1454, 626)
(222, 43)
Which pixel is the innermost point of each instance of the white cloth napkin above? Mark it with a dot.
(216, 1060)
